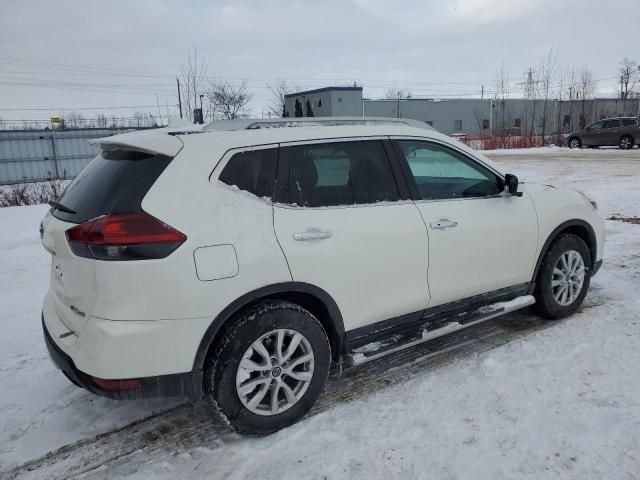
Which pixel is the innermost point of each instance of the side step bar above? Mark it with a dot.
(376, 350)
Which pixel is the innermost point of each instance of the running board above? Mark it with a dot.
(376, 350)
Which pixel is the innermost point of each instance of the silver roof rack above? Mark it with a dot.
(252, 124)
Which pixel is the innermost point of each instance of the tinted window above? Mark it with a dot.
(629, 122)
(113, 182)
(341, 173)
(253, 171)
(595, 126)
(440, 172)
(611, 124)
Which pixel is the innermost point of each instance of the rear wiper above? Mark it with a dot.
(62, 208)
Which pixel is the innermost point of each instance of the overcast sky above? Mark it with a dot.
(60, 55)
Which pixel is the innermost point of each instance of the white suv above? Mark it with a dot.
(239, 263)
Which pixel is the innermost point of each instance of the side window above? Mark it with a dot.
(340, 173)
(441, 172)
(253, 171)
(611, 124)
(629, 122)
(595, 126)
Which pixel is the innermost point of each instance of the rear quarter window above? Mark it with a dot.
(252, 171)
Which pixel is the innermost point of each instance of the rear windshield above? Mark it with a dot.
(114, 182)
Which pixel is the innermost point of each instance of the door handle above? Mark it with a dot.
(312, 234)
(443, 223)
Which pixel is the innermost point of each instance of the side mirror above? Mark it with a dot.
(511, 185)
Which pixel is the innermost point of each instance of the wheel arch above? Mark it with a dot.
(576, 137)
(306, 295)
(627, 135)
(577, 227)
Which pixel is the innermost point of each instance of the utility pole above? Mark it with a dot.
(571, 108)
(621, 86)
(179, 100)
(398, 108)
(482, 93)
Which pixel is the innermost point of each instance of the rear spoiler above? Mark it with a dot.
(149, 141)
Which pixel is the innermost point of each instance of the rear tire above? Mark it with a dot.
(626, 142)
(253, 379)
(564, 277)
(574, 142)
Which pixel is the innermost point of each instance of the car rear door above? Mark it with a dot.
(480, 240)
(592, 135)
(610, 132)
(344, 226)
(630, 127)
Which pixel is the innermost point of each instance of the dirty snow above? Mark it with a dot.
(559, 401)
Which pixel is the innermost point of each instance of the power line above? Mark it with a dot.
(85, 108)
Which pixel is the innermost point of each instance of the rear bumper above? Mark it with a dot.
(177, 385)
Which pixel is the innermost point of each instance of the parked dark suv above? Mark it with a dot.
(622, 131)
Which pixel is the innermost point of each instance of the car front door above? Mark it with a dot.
(610, 132)
(592, 135)
(480, 240)
(344, 226)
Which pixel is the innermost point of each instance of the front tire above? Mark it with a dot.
(563, 278)
(575, 142)
(626, 143)
(269, 368)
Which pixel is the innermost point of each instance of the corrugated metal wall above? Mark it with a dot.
(36, 155)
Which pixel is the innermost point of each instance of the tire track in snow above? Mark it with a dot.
(188, 428)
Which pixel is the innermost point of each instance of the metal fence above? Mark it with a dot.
(38, 155)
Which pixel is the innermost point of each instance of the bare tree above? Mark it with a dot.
(396, 93)
(138, 120)
(74, 120)
(277, 106)
(101, 120)
(501, 96)
(546, 74)
(629, 77)
(586, 87)
(586, 84)
(531, 95)
(229, 101)
(480, 117)
(193, 76)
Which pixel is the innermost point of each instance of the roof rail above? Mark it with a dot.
(251, 124)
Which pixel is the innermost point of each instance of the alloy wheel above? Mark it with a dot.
(625, 143)
(568, 277)
(575, 143)
(275, 372)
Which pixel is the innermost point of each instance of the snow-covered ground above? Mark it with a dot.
(530, 399)
(564, 151)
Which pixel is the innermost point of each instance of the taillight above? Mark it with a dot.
(129, 236)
